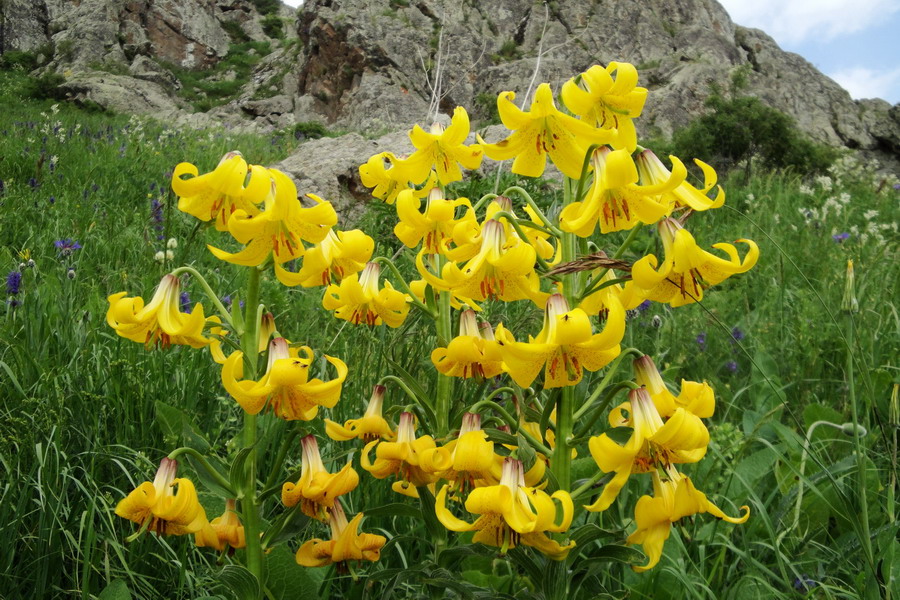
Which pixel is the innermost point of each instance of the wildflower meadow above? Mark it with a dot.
(554, 364)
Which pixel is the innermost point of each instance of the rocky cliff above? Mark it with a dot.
(374, 67)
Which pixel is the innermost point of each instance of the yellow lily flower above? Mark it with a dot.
(224, 530)
(280, 229)
(217, 195)
(687, 270)
(371, 426)
(564, 347)
(345, 543)
(168, 512)
(401, 458)
(674, 498)
(512, 514)
(387, 182)
(418, 287)
(606, 103)
(465, 460)
(502, 267)
(359, 300)
(653, 172)
(541, 132)
(317, 489)
(696, 398)
(161, 321)
(538, 239)
(442, 150)
(473, 353)
(285, 387)
(340, 254)
(431, 227)
(615, 200)
(682, 438)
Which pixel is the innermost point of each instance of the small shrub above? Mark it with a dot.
(310, 130)
(14, 59)
(235, 32)
(508, 51)
(266, 7)
(273, 26)
(46, 87)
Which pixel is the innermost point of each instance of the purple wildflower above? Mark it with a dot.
(701, 341)
(185, 302)
(13, 283)
(67, 247)
(731, 366)
(840, 237)
(736, 334)
(644, 306)
(34, 183)
(52, 199)
(804, 583)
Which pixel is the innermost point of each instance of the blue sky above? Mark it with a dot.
(855, 42)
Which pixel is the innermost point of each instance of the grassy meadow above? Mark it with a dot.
(86, 210)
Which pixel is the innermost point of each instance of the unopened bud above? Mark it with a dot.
(853, 430)
(850, 304)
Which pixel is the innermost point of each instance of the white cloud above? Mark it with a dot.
(294, 3)
(863, 82)
(793, 21)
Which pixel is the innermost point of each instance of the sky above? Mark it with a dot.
(855, 42)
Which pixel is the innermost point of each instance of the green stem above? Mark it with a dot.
(444, 383)
(511, 219)
(484, 200)
(588, 484)
(857, 447)
(250, 509)
(605, 381)
(223, 312)
(279, 458)
(513, 424)
(214, 474)
(561, 459)
(383, 260)
(530, 202)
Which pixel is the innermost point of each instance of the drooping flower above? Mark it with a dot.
(473, 353)
(543, 131)
(160, 322)
(387, 182)
(496, 266)
(225, 530)
(687, 269)
(683, 438)
(371, 426)
(317, 489)
(465, 460)
(280, 230)
(606, 103)
(442, 150)
(653, 172)
(564, 347)
(346, 543)
(431, 227)
(158, 507)
(697, 398)
(615, 200)
(359, 299)
(215, 196)
(512, 514)
(340, 254)
(285, 387)
(674, 498)
(402, 458)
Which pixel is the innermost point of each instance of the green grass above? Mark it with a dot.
(87, 415)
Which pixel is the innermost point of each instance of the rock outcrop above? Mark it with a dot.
(370, 68)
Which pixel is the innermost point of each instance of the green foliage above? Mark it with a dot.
(508, 51)
(273, 26)
(46, 87)
(21, 60)
(311, 130)
(235, 32)
(486, 108)
(740, 131)
(266, 7)
(208, 88)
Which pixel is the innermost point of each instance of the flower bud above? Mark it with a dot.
(850, 304)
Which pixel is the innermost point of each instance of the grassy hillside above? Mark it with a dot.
(86, 210)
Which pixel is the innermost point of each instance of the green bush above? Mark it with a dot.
(310, 130)
(46, 87)
(266, 7)
(14, 59)
(273, 26)
(740, 130)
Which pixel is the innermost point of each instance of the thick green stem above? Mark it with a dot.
(444, 383)
(223, 312)
(561, 460)
(250, 509)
